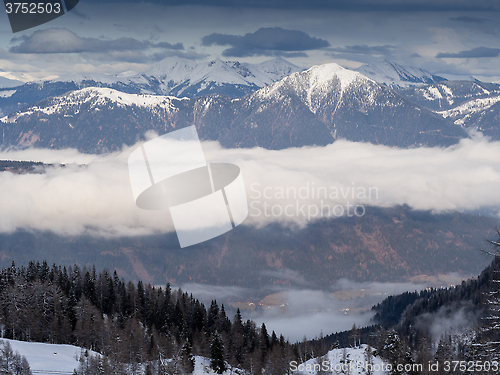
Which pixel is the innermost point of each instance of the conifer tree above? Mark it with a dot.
(217, 362)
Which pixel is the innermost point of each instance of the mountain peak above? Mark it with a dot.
(315, 86)
(173, 66)
(323, 74)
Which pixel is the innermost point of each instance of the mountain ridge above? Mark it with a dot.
(313, 107)
(398, 76)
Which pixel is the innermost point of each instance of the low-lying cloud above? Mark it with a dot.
(461, 319)
(300, 312)
(291, 186)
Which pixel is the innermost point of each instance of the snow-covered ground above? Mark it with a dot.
(342, 361)
(48, 359)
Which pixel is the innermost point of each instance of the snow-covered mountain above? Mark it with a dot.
(398, 76)
(348, 105)
(181, 77)
(171, 76)
(313, 107)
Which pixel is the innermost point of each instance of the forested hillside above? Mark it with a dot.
(131, 325)
(453, 328)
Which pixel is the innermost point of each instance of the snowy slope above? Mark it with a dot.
(202, 367)
(97, 96)
(462, 113)
(317, 87)
(398, 76)
(180, 76)
(48, 358)
(445, 96)
(178, 70)
(352, 360)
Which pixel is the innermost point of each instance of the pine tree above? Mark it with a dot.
(187, 358)
(394, 350)
(491, 330)
(354, 335)
(217, 354)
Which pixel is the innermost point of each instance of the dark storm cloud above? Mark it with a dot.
(363, 49)
(65, 41)
(351, 5)
(467, 19)
(354, 5)
(473, 53)
(270, 41)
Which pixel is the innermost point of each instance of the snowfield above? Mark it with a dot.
(50, 359)
(46, 359)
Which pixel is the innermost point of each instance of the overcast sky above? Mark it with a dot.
(445, 37)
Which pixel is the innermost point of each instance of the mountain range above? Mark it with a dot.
(272, 104)
(312, 107)
(173, 76)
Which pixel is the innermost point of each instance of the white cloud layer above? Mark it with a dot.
(294, 185)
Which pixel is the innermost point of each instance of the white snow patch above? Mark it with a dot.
(49, 358)
(469, 108)
(446, 90)
(432, 93)
(7, 93)
(202, 367)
